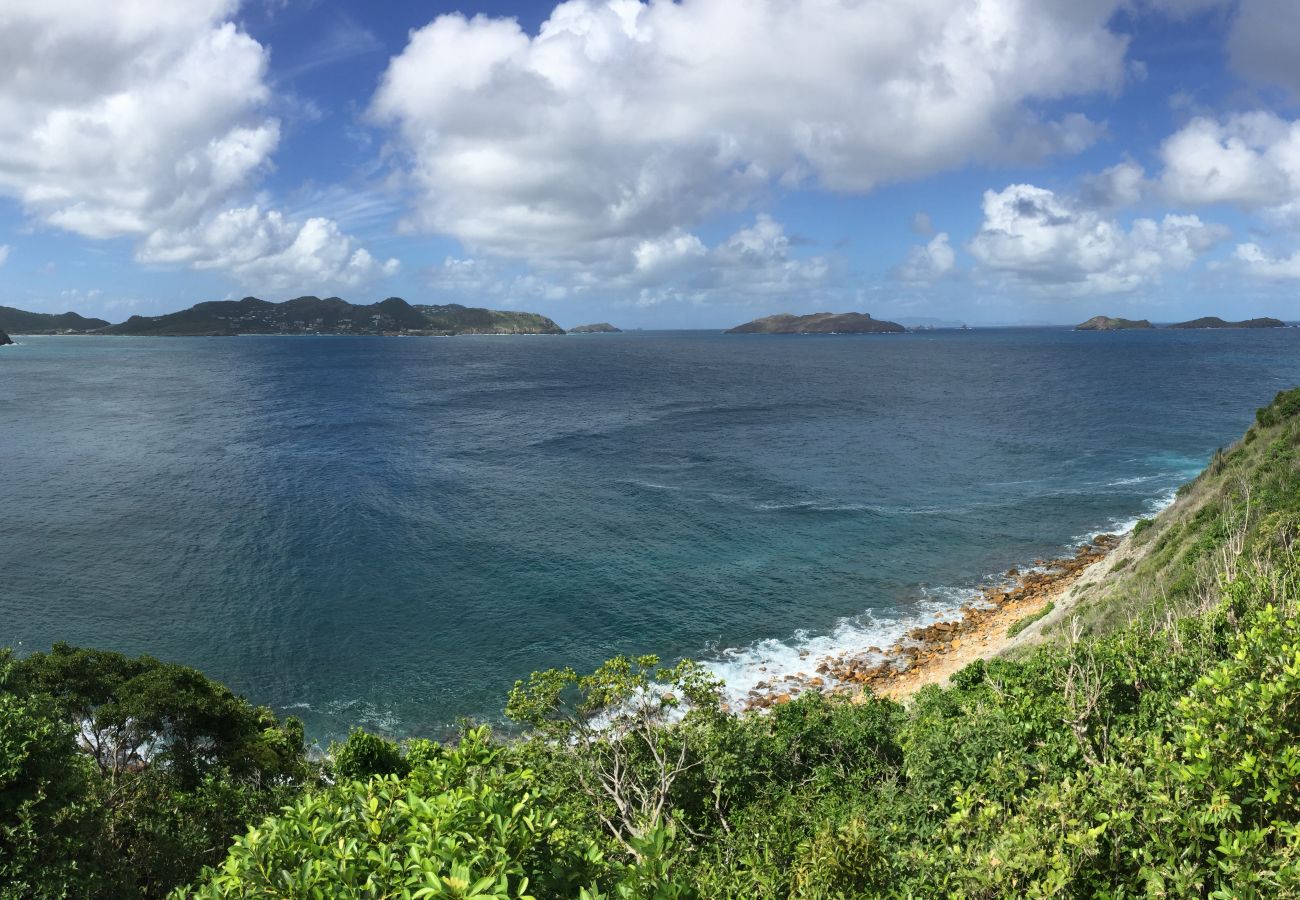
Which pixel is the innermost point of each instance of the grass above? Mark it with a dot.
(1030, 619)
(1249, 494)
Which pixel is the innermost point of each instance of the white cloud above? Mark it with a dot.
(1119, 186)
(929, 262)
(1260, 34)
(1249, 159)
(1054, 244)
(4, 253)
(119, 118)
(672, 252)
(464, 276)
(754, 263)
(1262, 265)
(143, 119)
(622, 122)
(1261, 44)
(266, 251)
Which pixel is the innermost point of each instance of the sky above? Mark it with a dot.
(689, 164)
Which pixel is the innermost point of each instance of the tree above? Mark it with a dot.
(175, 766)
(616, 725)
(48, 810)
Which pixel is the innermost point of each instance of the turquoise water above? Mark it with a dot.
(389, 532)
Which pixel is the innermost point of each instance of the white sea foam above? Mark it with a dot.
(1153, 507)
(770, 662)
(652, 485)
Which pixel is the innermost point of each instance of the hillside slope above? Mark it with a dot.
(19, 321)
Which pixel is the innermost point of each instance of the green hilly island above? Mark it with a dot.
(313, 315)
(1216, 322)
(17, 321)
(819, 323)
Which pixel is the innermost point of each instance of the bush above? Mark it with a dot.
(466, 823)
(365, 754)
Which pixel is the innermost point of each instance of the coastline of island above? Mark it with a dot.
(982, 627)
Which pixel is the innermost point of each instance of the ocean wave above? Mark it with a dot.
(651, 485)
(767, 663)
(763, 665)
(813, 506)
(1153, 506)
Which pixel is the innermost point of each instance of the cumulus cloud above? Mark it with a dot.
(464, 276)
(1263, 265)
(265, 250)
(622, 122)
(142, 119)
(118, 118)
(1261, 44)
(754, 262)
(1121, 185)
(929, 262)
(1250, 159)
(1054, 244)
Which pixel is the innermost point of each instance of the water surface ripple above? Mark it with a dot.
(389, 532)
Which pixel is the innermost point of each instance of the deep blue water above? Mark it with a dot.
(389, 532)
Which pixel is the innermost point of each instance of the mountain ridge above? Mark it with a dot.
(331, 315)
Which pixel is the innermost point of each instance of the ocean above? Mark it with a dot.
(388, 532)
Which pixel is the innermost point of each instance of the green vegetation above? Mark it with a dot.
(1216, 322)
(124, 777)
(312, 315)
(1030, 619)
(18, 321)
(1151, 749)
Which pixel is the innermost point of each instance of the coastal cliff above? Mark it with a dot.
(819, 323)
(4, 339)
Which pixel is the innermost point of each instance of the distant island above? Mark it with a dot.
(18, 321)
(303, 315)
(819, 323)
(1216, 322)
(1106, 323)
(5, 339)
(598, 328)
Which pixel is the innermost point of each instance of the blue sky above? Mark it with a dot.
(689, 164)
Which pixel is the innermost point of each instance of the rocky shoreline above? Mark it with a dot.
(928, 653)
